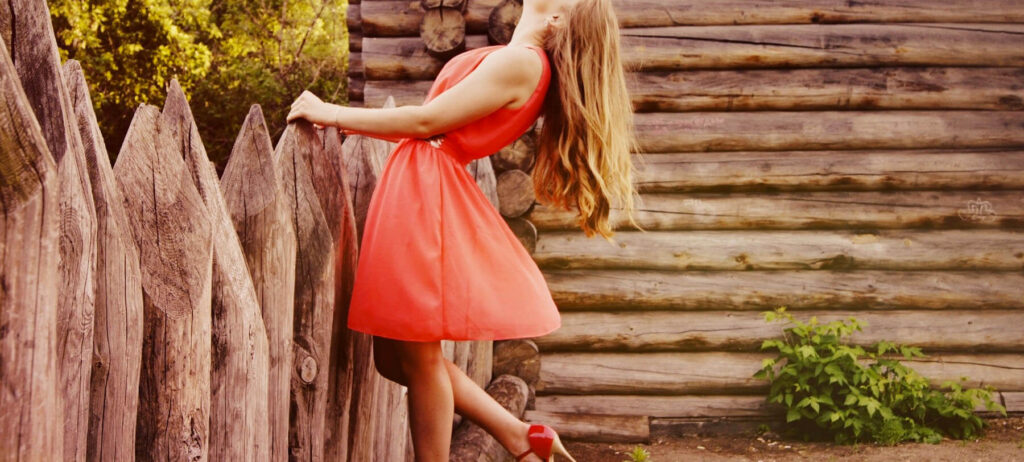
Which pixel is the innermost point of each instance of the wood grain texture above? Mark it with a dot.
(601, 428)
(117, 343)
(363, 160)
(314, 293)
(843, 170)
(515, 193)
(821, 45)
(744, 250)
(33, 48)
(755, 47)
(172, 229)
(826, 130)
(809, 210)
(760, 290)
(443, 31)
(256, 200)
(731, 373)
(733, 90)
(401, 18)
(31, 415)
(954, 330)
(239, 422)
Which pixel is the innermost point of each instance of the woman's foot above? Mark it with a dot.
(521, 443)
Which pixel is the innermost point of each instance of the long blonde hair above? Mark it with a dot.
(583, 156)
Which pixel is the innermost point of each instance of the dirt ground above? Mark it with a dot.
(1003, 442)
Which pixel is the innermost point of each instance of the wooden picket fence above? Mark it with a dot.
(152, 310)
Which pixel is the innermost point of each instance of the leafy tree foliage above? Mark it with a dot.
(226, 54)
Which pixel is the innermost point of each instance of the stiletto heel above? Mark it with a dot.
(544, 442)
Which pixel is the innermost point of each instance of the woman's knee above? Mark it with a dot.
(419, 357)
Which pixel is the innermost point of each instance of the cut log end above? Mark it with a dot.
(443, 31)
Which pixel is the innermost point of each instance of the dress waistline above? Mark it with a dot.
(438, 141)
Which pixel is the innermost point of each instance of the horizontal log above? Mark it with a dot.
(355, 40)
(830, 170)
(764, 290)
(805, 130)
(355, 89)
(726, 373)
(1013, 401)
(405, 92)
(692, 406)
(401, 18)
(353, 17)
(795, 89)
(756, 46)
(816, 89)
(594, 428)
(810, 210)
(405, 58)
(355, 65)
(954, 330)
(977, 249)
(817, 45)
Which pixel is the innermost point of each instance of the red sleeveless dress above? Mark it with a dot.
(437, 261)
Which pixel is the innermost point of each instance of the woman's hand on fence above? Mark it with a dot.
(308, 106)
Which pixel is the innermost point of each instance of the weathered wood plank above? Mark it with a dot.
(720, 372)
(660, 405)
(830, 170)
(764, 290)
(117, 343)
(31, 422)
(33, 50)
(954, 330)
(314, 293)
(819, 130)
(1013, 401)
(817, 89)
(172, 230)
(364, 159)
(820, 45)
(950, 249)
(791, 89)
(593, 428)
(256, 201)
(700, 407)
(404, 58)
(755, 46)
(239, 423)
(401, 18)
(330, 182)
(809, 210)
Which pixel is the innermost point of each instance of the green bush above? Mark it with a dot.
(828, 390)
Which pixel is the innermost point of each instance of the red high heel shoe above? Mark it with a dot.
(544, 443)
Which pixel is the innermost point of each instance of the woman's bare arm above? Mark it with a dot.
(507, 75)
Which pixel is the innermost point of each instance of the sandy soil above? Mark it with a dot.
(1003, 441)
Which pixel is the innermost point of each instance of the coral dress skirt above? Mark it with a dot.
(437, 261)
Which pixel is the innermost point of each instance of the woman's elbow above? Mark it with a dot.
(421, 124)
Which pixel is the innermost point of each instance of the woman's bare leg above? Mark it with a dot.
(431, 404)
(470, 401)
(475, 404)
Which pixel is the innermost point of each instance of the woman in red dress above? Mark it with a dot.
(437, 261)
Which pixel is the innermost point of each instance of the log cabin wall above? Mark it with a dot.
(839, 158)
